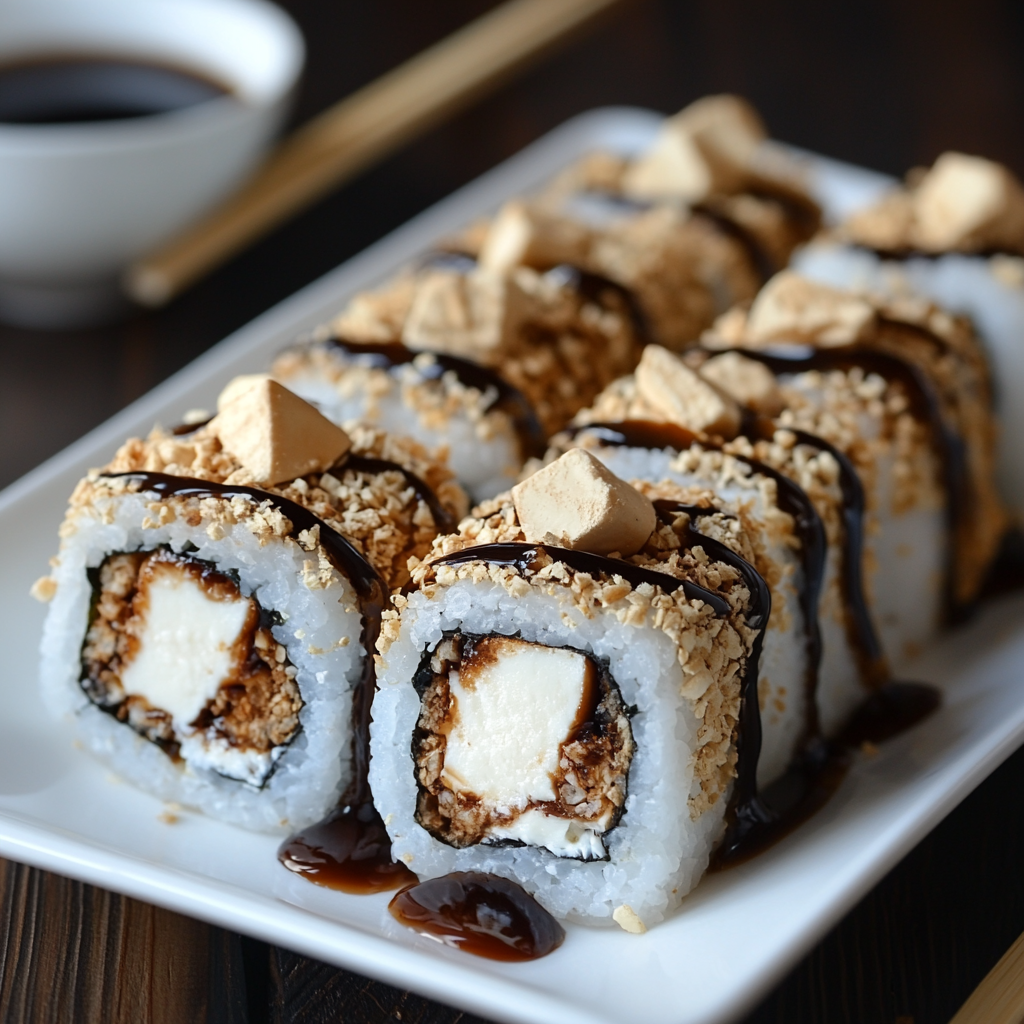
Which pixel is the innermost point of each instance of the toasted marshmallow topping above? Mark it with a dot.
(528, 236)
(576, 502)
(466, 314)
(680, 396)
(961, 204)
(276, 435)
(185, 643)
(708, 147)
(236, 387)
(792, 308)
(747, 381)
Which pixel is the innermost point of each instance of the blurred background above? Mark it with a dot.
(883, 84)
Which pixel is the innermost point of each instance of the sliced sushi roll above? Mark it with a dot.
(892, 416)
(787, 545)
(953, 234)
(216, 598)
(692, 226)
(567, 694)
(459, 409)
(557, 338)
(902, 389)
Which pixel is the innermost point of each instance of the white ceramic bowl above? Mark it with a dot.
(78, 202)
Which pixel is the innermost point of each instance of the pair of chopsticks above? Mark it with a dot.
(363, 128)
(999, 999)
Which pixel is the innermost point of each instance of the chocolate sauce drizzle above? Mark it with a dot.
(524, 556)
(443, 519)
(509, 399)
(590, 286)
(764, 263)
(746, 810)
(791, 498)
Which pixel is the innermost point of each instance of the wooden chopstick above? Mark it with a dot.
(360, 129)
(999, 999)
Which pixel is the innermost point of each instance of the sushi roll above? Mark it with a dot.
(558, 337)
(567, 694)
(216, 597)
(889, 406)
(789, 550)
(463, 411)
(953, 234)
(692, 226)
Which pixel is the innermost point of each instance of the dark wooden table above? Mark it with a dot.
(887, 85)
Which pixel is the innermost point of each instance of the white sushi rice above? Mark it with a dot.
(989, 290)
(784, 654)
(312, 769)
(657, 853)
(484, 465)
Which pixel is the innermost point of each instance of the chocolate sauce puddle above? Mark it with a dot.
(509, 399)
(349, 850)
(482, 914)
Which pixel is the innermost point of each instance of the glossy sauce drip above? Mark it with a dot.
(443, 519)
(860, 627)
(523, 556)
(510, 400)
(592, 288)
(764, 264)
(481, 914)
(909, 253)
(350, 850)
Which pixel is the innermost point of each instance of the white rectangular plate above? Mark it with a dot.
(732, 939)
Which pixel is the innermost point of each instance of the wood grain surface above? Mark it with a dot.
(887, 85)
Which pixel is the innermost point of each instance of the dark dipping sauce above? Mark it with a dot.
(481, 914)
(82, 89)
(349, 851)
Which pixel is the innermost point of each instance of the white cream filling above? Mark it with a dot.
(510, 717)
(185, 643)
(565, 837)
(202, 750)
